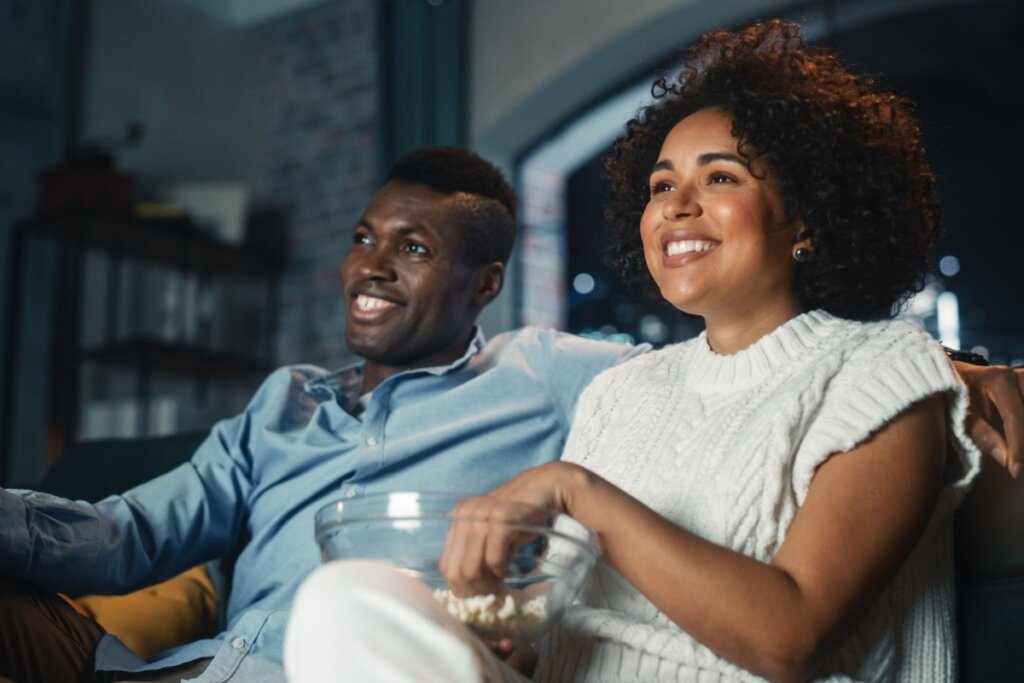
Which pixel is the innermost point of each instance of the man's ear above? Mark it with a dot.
(489, 281)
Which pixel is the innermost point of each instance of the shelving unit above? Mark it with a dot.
(145, 300)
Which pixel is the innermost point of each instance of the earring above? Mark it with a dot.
(802, 254)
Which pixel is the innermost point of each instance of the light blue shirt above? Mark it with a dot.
(259, 478)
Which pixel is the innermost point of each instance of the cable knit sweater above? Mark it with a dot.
(726, 447)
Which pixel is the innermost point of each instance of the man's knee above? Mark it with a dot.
(42, 637)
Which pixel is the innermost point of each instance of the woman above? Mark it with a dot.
(772, 498)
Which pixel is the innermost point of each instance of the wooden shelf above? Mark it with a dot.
(175, 358)
(175, 241)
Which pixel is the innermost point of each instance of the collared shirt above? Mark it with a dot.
(261, 476)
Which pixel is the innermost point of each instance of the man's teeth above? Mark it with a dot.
(686, 246)
(370, 303)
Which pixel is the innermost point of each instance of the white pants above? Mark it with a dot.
(364, 621)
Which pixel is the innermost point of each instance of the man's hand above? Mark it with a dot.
(995, 418)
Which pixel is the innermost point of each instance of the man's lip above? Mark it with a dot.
(353, 292)
(372, 315)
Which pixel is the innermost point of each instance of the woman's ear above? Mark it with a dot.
(803, 244)
(489, 280)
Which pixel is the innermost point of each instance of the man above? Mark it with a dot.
(434, 406)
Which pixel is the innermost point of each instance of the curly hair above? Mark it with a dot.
(848, 156)
(486, 207)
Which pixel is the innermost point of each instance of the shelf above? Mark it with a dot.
(175, 358)
(175, 241)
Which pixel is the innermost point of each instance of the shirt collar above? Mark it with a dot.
(347, 380)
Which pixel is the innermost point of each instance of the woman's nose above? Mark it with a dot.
(680, 204)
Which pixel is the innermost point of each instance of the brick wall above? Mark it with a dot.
(322, 141)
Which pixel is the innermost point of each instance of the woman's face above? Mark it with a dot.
(713, 231)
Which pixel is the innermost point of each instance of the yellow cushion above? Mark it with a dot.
(175, 612)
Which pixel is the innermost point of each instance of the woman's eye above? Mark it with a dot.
(658, 188)
(718, 178)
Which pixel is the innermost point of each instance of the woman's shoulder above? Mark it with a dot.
(884, 347)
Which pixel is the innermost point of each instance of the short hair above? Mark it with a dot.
(848, 156)
(487, 210)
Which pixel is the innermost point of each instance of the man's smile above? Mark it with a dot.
(372, 303)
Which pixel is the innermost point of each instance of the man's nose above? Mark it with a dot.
(377, 264)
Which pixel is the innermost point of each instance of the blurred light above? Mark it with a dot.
(613, 336)
(653, 329)
(583, 283)
(948, 309)
(622, 338)
(981, 351)
(949, 266)
(923, 302)
(404, 504)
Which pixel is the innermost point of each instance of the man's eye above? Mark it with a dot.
(360, 238)
(416, 248)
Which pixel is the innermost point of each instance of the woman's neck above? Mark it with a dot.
(729, 333)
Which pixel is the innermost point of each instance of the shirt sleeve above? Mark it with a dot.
(573, 362)
(191, 514)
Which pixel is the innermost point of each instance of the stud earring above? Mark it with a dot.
(802, 254)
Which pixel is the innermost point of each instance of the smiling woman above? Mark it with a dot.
(715, 235)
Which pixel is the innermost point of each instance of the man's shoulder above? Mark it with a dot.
(558, 343)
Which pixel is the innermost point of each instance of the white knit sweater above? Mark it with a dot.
(726, 446)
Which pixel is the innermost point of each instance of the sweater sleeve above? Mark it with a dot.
(896, 366)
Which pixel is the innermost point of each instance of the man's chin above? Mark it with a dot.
(377, 348)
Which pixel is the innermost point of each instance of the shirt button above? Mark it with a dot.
(371, 441)
(238, 643)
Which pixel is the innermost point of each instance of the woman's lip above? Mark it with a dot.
(678, 260)
(682, 236)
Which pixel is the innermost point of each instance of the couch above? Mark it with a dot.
(989, 553)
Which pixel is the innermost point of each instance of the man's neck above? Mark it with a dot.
(376, 372)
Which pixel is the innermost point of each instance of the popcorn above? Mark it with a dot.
(490, 611)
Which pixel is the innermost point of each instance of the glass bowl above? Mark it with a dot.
(408, 529)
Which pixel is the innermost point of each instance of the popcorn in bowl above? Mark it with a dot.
(408, 529)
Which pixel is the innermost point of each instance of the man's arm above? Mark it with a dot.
(995, 420)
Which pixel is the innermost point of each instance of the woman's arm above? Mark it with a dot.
(863, 514)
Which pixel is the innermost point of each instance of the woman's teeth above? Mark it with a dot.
(686, 246)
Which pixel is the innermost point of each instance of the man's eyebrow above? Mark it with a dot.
(402, 230)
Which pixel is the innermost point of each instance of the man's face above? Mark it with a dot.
(409, 297)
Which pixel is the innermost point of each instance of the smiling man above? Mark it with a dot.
(432, 406)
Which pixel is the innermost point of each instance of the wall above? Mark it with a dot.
(321, 104)
(34, 40)
(191, 82)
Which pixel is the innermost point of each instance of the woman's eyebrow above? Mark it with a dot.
(702, 160)
(663, 165)
(708, 157)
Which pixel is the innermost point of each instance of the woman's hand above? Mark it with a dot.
(995, 420)
(481, 541)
